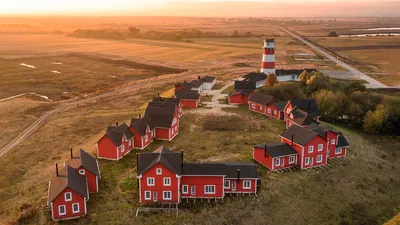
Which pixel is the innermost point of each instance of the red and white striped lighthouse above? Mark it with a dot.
(268, 60)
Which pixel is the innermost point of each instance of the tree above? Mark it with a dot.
(284, 91)
(317, 81)
(332, 105)
(354, 86)
(304, 76)
(133, 31)
(333, 34)
(385, 119)
(271, 80)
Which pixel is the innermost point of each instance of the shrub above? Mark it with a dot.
(333, 34)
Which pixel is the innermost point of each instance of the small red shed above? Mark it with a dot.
(275, 156)
(258, 102)
(239, 97)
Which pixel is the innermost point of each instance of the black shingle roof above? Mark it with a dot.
(301, 135)
(116, 133)
(301, 118)
(162, 155)
(280, 105)
(160, 114)
(255, 76)
(187, 94)
(176, 101)
(283, 72)
(342, 142)
(308, 105)
(89, 162)
(140, 125)
(261, 98)
(247, 170)
(204, 169)
(197, 83)
(239, 92)
(277, 149)
(245, 85)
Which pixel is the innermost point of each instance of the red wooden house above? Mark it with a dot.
(165, 178)
(67, 195)
(275, 156)
(143, 132)
(276, 110)
(301, 112)
(175, 101)
(189, 98)
(239, 97)
(163, 119)
(116, 143)
(244, 85)
(86, 165)
(258, 102)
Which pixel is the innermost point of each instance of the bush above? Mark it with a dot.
(332, 105)
(284, 91)
(333, 34)
(26, 212)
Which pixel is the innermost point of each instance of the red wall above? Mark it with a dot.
(238, 99)
(258, 155)
(127, 148)
(257, 108)
(332, 147)
(200, 182)
(239, 186)
(285, 160)
(287, 109)
(189, 103)
(106, 148)
(60, 200)
(162, 133)
(91, 179)
(138, 138)
(272, 114)
(159, 185)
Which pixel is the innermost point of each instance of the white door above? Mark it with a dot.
(283, 162)
(155, 196)
(233, 185)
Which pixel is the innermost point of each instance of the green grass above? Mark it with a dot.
(218, 86)
(206, 98)
(228, 89)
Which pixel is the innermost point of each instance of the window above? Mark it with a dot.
(290, 123)
(158, 171)
(269, 111)
(307, 160)
(68, 196)
(253, 106)
(310, 149)
(122, 148)
(209, 189)
(61, 210)
(193, 190)
(185, 189)
(75, 208)
(130, 142)
(277, 162)
(176, 128)
(333, 141)
(167, 181)
(261, 108)
(150, 181)
(287, 110)
(147, 195)
(320, 147)
(274, 112)
(146, 138)
(291, 159)
(82, 171)
(227, 184)
(173, 131)
(174, 121)
(246, 184)
(338, 151)
(167, 195)
(319, 158)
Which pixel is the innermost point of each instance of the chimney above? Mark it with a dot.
(137, 161)
(292, 139)
(181, 158)
(139, 116)
(70, 149)
(158, 94)
(116, 123)
(265, 151)
(198, 77)
(57, 169)
(326, 135)
(238, 175)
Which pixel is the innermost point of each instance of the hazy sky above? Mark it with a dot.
(271, 8)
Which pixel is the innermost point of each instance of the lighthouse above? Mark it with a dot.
(268, 60)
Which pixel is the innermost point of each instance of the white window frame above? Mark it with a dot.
(277, 162)
(311, 149)
(291, 159)
(145, 195)
(319, 156)
(269, 111)
(167, 179)
(148, 181)
(173, 131)
(65, 196)
(320, 147)
(253, 106)
(59, 211)
(208, 192)
(227, 182)
(82, 171)
(73, 211)
(146, 138)
(275, 112)
(185, 187)
(260, 107)
(193, 190)
(174, 121)
(122, 148)
(333, 141)
(170, 195)
(336, 150)
(247, 184)
(130, 142)
(158, 171)
(307, 161)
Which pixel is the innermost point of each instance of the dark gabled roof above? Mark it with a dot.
(71, 179)
(197, 83)
(176, 101)
(280, 105)
(255, 76)
(85, 160)
(203, 169)
(160, 115)
(208, 79)
(283, 72)
(140, 125)
(247, 170)
(162, 155)
(278, 149)
(301, 136)
(300, 117)
(342, 142)
(245, 85)
(187, 94)
(261, 98)
(116, 133)
(307, 105)
(239, 92)
(319, 129)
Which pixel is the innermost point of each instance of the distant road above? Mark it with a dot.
(358, 74)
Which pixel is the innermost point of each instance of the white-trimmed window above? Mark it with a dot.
(287, 110)
(173, 131)
(277, 162)
(61, 210)
(167, 181)
(130, 142)
(338, 151)
(185, 189)
(174, 121)
(150, 181)
(320, 147)
(246, 184)
(193, 190)
(269, 111)
(146, 138)
(307, 161)
(261, 108)
(122, 148)
(68, 196)
(158, 171)
(311, 149)
(291, 159)
(209, 189)
(75, 208)
(319, 158)
(82, 171)
(333, 141)
(176, 128)
(147, 195)
(227, 184)
(253, 106)
(275, 112)
(167, 195)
